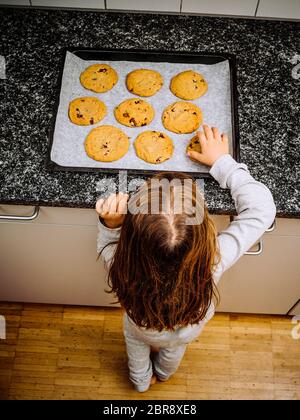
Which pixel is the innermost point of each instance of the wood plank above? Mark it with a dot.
(52, 351)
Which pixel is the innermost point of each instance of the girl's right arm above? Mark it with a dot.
(253, 200)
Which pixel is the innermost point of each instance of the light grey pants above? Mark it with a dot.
(171, 344)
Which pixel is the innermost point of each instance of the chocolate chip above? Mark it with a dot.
(196, 87)
(102, 71)
(161, 135)
(132, 121)
(196, 142)
(202, 80)
(95, 78)
(158, 159)
(173, 110)
(126, 115)
(79, 116)
(137, 102)
(194, 113)
(92, 121)
(82, 100)
(195, 81)
(142, 125)
(77, 109)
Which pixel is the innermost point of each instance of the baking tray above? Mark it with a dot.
(140, 56)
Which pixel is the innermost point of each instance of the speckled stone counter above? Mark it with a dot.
(268, 102)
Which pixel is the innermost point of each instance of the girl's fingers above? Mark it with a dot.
(208, 132)
(225, 138)
(113, 204)
(122, 207)
(195, 155)
(202, 139)
(107, 202)
(216, 133)
(99, 205)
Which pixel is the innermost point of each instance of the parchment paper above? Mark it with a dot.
(68, 141)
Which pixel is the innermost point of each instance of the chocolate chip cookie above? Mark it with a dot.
(134, 113)
(144, 82)
(99, 78)
(182, 117)
(86, 110)
(153, 146)
(106, 143)
(194, 145)
(188, 85)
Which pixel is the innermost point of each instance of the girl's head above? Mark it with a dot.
(163, 265)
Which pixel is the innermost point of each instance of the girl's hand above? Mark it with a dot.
(112, 209)
(213, 145)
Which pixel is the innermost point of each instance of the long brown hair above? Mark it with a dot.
(162, 269)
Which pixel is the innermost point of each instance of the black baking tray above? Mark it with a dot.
(139, 55)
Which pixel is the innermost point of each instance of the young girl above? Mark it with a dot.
(164, 271)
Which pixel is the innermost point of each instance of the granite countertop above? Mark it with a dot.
(32, 43)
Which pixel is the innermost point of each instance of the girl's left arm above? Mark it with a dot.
(106, 241)
(111, 213)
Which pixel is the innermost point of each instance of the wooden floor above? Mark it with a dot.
(56, 352)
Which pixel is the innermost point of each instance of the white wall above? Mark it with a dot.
(276, 9)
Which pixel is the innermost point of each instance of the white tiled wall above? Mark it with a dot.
(221, 7)
(93, 4)
(289, 9)
(282, 9)
(151, 5)
(15, 2)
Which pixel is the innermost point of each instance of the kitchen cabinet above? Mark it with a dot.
(52, 259)
(87, 4)
(220, 7)
(268, 283)
(151, 5)
(295, 310)
(288, 9)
